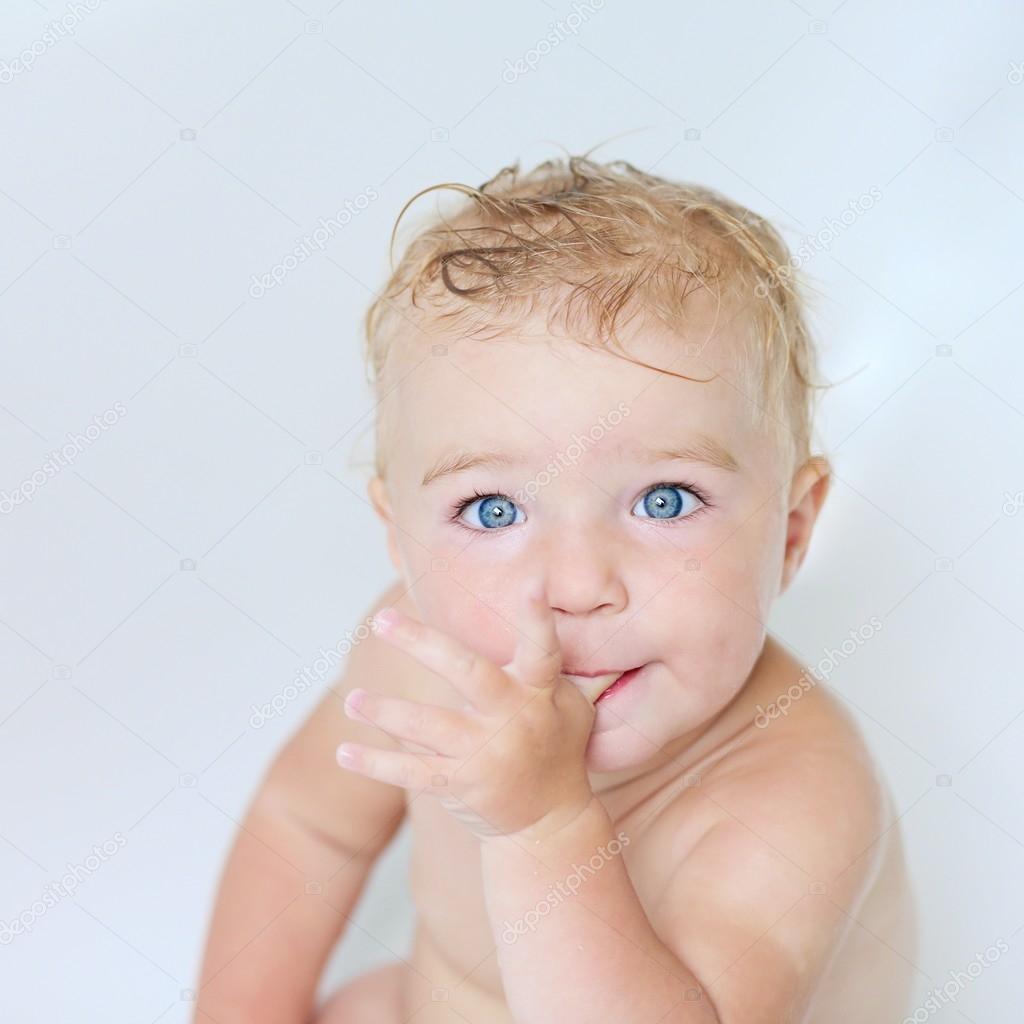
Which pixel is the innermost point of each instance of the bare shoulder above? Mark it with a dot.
(382, 667)
(805, 780)
(793, 812)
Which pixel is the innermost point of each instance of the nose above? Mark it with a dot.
(582, 573)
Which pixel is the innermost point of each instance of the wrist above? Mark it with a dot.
(557, 822)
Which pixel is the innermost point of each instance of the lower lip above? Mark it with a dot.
(613, 706)
(619, 684)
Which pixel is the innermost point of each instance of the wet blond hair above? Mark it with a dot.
(598, 243)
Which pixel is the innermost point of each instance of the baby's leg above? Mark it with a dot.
(372, 997)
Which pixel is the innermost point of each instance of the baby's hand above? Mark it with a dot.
(512, 761)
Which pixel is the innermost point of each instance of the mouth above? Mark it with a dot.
(619, 683)
(599, 687)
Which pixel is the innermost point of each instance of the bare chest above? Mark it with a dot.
(446, 881)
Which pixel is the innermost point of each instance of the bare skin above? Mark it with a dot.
(763, 870)
(450, 975)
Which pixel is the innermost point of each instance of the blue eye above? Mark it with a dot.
(493, 511)
(665, 501)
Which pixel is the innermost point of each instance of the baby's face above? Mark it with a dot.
(669, 563)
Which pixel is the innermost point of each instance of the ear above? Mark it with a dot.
(377, 490)
(807, 493)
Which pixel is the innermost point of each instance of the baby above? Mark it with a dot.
(627, 802)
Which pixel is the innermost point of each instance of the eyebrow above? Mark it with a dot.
(702, 448)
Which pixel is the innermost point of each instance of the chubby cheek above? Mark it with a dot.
(471, 599)
(745, 567)
(714, 634)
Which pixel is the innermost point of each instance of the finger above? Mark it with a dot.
(538, 656)
(410, 771)
(472, 675)
(441, 730)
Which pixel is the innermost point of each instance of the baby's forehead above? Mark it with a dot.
(714, 339)
(528, 387)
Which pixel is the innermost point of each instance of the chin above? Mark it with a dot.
(618, 749)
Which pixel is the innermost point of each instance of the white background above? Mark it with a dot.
(202, 549)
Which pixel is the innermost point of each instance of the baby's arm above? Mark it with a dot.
(308, 825)
(739, 935)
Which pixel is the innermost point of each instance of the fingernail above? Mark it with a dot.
(387, 618)
(354, 698)
(345, 756)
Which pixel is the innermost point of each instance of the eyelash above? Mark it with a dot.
(456, 510)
